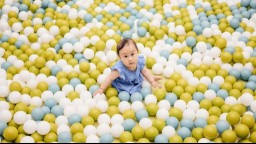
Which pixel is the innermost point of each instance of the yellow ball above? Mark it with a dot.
(248, 120)
(229, 136)
(73, 95)
(112, 110)
(33, 37)
(176, 112)
(87, 120)
(126, 137)
(51, 137)
(233, 118)
(94, 113)
(175, 139)
(10, 133)
(40, 62)
(128, 114)
(113, 101)
(137, 132)
(76, 128)
(79, 137)
(15, 86)
(197, 133)
(152, 109)
(242, 131)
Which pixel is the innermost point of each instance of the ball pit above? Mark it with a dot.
(55, 54)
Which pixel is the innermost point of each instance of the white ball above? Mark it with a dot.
(84, 40)
(253, 106)
(203, 140)
(180, 30)
(110, 32)
(90, 130)
(246, 99)
(180, 104)
(92, 139)
(36, 101)
(61, 120)
(210, 94)
(117, 119)
(157, 68)
(194, 105)
(69, 110)
(14, 97)
(6, 115)
(27, 139)
(164, 104)
(111, 56)
(215, 52)
(28, 30)
(201, 46)
(187, 56)
(104, 118)
(25, 98)
(78, 47)
(196, 61)
(30, 126)
(17, 27)
(202, 113)
(218, 80)
(189, 114)
(4, 105)
(168, 71)
(90, 103)
(150, 99)
(54, 30)
(67, 48)
(207, 60)
(67, 88)
(116, 130)
(123, 106)
(187, 74)
(162, 114)
(168, 131)
(102, 105)
(46, 95)
(137, 105)
(231, 100)
(63, 102)
(101, 78)
(82, 110)
(103, 129)
(223, 116)
(63, 128)
(20, 117)
(145, 123)
(43, 127)
(207, 32)
(193, 81)
(4, 91)
(88, 54)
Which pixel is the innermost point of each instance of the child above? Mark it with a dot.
(127, 74)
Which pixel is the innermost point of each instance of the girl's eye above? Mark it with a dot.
(132, 54)
(125, 56)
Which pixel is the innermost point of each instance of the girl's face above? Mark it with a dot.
(129, 56)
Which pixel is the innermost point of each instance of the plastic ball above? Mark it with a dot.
(30, 126)
(106, 138)
(184, 132)
(123, 106)
(229, 136)
(116, 130)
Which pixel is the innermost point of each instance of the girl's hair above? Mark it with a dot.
(125, 41)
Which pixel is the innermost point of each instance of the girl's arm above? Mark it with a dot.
(151, 78)
(112, 76)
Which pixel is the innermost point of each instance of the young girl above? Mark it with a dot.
(127, 74)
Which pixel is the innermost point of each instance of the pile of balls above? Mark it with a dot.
(55, 53)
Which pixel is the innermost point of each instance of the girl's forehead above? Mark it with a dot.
(128, 48)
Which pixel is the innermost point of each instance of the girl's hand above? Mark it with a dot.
(99, 91)
(155, 82)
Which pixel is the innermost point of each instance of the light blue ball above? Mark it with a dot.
(141, 31)
(253, 4)
(222, 125)
(74, 118)
(182, 61)
(188, 123)
(161, 139)
(200, 122)
(45, 4)
(139, 15)
(196, 21)
(205, 24)
(52, 5)
(165, 53)
(171, 97)
(4, 38)
(246, 14)
(252, 11)
(198, 29)
(245, 3)
(243, 39)
(109, 24)
(234, 23)
(40, 10)
(106, 138)
(254, 115)
(93, 88)
(130, 22)
(198, 96)
(253, 54)
(141, 113)
(50, 102)
(213, 86)
(127, 34)
(124, 96)
(37, 114)
(251, 85)
(88, 18)
(191, 41)
(214, 21)
(239, 17)
(252, 78)
(220, 16)
(245, 74)
(169, 41)
(55, 69)
(6, 65)
(203, 18)
(145, 91)
(230, 49)
(73, 40)
(53, 87)
(168, 14)
(184, 132)
(136, 97)
(74, 82)
(123, 19)
(128, 124)
(64, 137)
(240, 29)
(23, 7)
(172, 121)
(78, 56)
(3, 125)
(235, 73)
(222, 93)
(57, 110)
(99, 17)
(18, 43)
(46, 109)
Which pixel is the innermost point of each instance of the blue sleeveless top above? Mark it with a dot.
(130, 81)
